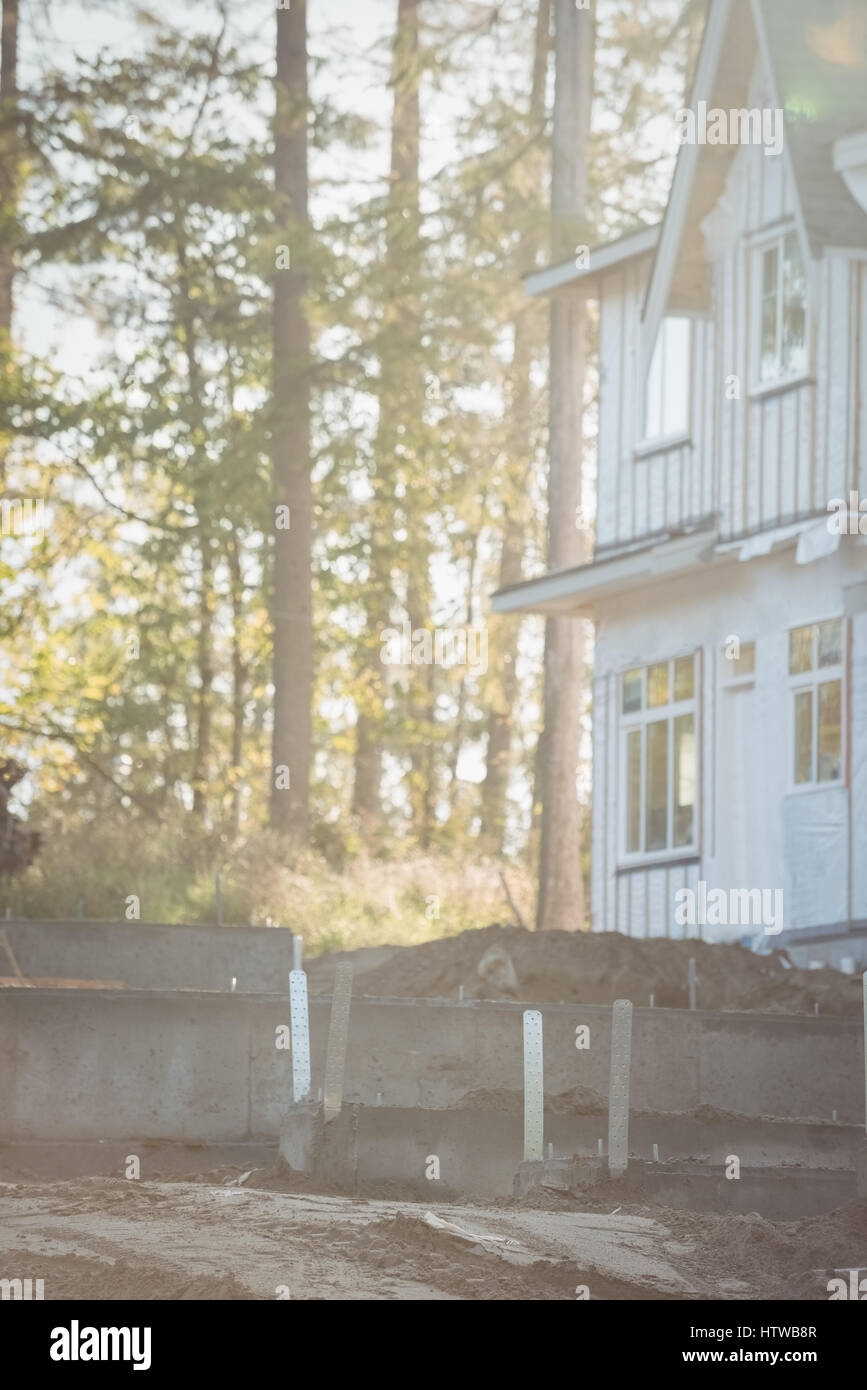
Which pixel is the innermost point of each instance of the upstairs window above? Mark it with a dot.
(658, 723)
(816, 683)
(783, 327)
(666, 407)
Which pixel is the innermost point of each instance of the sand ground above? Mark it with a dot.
(107, 1238)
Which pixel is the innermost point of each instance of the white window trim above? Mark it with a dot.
(628, 723)
(811, 680)
(660, 443)
(757, 251)
(663, 442)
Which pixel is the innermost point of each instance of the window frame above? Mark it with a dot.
(640, 719)
(811, 680)
(649, 444)
(759, 249)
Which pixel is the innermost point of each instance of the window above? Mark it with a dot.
(666, 411)
(816, 683)
(658, 722)
(783, 326)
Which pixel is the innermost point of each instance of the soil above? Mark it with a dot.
(591, 968)
(106, 1238)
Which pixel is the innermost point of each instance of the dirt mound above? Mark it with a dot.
(404, 1245)
(78, 1277)
(787, 1259)
(591, 968)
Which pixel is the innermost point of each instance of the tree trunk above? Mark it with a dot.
(9, 175)
(292, 597)
(186, 320)
(8, 161)
(504, 631)
(401, 385)
(561, 888)
(239, 680)
(205, 661)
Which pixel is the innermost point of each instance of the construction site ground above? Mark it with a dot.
(233, 1236)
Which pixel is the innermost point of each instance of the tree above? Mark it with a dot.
(8, 160)
(561, 886)
(518, 468)
(293, 507)
(9, 177)
(18, 846)
(166, 470)
(400, 396)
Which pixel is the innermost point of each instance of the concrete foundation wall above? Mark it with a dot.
(187, 1066)
(149, 955)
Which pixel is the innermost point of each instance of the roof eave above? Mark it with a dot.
(576, 592)
(599, 260)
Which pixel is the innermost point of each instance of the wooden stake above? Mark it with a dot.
(618, 1087)
(12, 961)
(338, 1036)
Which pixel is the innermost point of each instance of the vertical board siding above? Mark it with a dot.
(788, 441)
(759, 460)
(612, 801)
(600, 807)
(838, 316)
(861, 403)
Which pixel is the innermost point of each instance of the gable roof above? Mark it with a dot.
(815, 59)
(818, 58)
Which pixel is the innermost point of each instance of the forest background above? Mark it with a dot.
(250, 262)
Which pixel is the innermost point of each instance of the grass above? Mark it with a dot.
(117, 870)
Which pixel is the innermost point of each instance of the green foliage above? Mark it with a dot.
(136, 633)
(372, 902)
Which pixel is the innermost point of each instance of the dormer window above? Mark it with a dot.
(666, 409)
(783, 327)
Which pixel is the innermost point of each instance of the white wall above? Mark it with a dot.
(753, 832)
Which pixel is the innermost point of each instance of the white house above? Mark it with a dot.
(730, 608)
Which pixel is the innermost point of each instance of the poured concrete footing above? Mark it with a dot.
(158, 1159)
(328, 1150)
(477, 1153)
(778, 1194)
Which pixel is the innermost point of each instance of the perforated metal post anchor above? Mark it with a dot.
(533, 1086)
(618, 1087)
(300, 1026)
